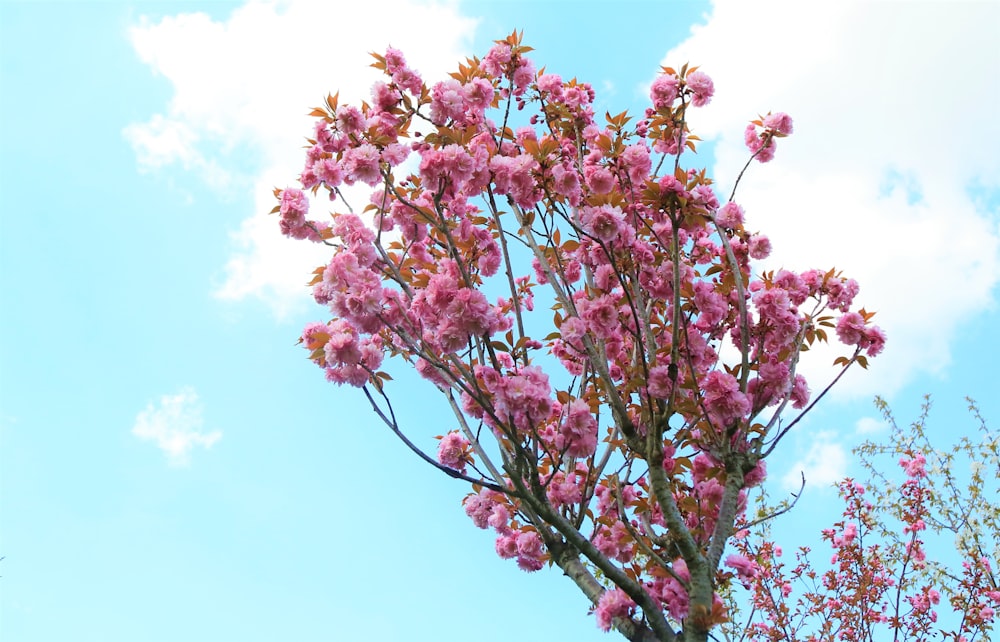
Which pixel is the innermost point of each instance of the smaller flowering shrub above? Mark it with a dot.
(880, 583)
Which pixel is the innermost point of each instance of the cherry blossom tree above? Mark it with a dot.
(585, 303)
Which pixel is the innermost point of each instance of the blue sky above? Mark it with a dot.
(171, 466)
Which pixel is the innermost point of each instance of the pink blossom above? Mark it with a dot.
(566, 182)
(468, 314)
(329, 171)
(744, 567)
(294, 204)
(604, 222)
(499, 518)
(607, 502)
(565, 489)
(672, 143)
(701, 87)
(793, 284)
(409, 80)
(352, 375)
(431, 373)
(605, 277)
(841, 292)
(356, 291)
(578, 432)
(529, 551)
(395, 154)
(730, 215)
(384, 96)
(450, 166)
(506, 546)
(614, 603)
(480, 507)
(847, 537)
(447, 101)
(873, 341)
(599, 179)
(601, 315)
(479, 94)
(523, 75)
(756, 475)
(614, 542)
(664, 90)
(362, 164)
(638, 163)
(800, 392)
(761, 145)
(659, 383)
(670, 185)
(668, 458)
(515, 175)
(342, 346)
(723, 397)
(550, 83)
(349, 119)
(452, 451)
(496, 59)
(812, 280)
(712, 307)
(523, 397)
(705, 196)
(780, 123)
(394, 60)
(577, 98)
(672, 592)
(314, 336)
(850, 328)
(350, 229)
(914, 467)
(760, 247)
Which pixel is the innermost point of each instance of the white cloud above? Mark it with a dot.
(894, 108)
(869, 426)
(241, 90)
(824, 464)
(174, 425)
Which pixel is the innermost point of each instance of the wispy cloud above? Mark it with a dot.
(174, 425)
(869, 426)
(892, 174)
(825, 461)
(824, 464)
(241, 90)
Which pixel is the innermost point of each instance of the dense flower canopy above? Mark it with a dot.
(586, 304)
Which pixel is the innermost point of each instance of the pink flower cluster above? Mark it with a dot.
(458, 103)
(294, 207)
(345, 356)
(453, 451)
(760, 134)
(490, 509)
(670, 590)
(746, 569)
(614, 603)
(723, 398)
(578, 430)
(914, 467)
(521, 398)
(668, 87)
(852, 330)
(450, 314)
